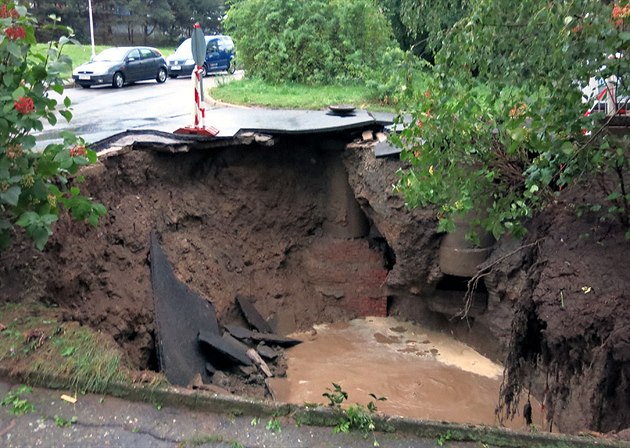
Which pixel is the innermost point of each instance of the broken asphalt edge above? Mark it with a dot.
(316, 415)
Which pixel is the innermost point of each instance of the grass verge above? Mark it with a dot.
(36, 342)
(295, 96)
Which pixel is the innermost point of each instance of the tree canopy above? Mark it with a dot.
(134, 21)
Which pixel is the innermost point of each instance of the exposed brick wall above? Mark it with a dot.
(349, 272)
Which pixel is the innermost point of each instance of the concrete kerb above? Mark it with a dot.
(313, 416)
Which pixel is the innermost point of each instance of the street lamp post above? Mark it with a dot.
(91, 27)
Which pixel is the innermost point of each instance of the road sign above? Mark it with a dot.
(198, 45)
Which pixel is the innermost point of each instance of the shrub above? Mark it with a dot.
(35, 183)
(309, 41)
(501, 127)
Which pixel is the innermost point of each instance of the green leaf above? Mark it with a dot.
(11, 196)
(66, 114)
(18, 93)
(40, 236)
(27, 219)
(567, 148)
(57, 88)
(92, 156)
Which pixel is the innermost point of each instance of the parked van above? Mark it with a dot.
(219, 57)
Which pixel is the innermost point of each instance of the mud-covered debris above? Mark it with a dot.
(197, 383)
(248, 370)
(267, 352)
(220, 379)
(270, 338)
(262, 365)
(2, 328)
(253, 317)
(224, 350)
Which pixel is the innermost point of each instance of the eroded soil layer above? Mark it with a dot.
(281, 225)
(271, 224)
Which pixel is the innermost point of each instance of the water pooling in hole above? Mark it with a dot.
(423, 374)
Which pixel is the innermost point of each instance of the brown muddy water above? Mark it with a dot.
(423, 374)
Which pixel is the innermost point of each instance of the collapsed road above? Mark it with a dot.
(307, 224)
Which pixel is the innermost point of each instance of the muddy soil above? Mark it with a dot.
(249, 221)
(276, 224)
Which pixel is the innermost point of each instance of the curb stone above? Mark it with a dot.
(315, 416)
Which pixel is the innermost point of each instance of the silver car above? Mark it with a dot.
(122, 65)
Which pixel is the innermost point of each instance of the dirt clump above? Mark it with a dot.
(571, 328)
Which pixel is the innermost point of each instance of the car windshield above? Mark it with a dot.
(111, 54)
(185, 49)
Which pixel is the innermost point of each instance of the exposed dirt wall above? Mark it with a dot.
(277, 224)
(267, 223)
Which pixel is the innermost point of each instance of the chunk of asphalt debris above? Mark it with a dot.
(197, 383)
(239, 332)
(235, 343)
(252, 315)
(179, 313)
(248, 370)
(222, 348)
(269, 338)
(267, 352)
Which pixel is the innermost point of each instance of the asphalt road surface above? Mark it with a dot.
(100, 112)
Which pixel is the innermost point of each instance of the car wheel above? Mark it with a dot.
(231, 68)
(118, 80)
(161, 75)
(204, 71)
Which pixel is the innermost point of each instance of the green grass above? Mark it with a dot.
(81, 54)
(294, 96)
(36, 343)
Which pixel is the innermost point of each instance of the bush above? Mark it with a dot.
(310, 41)
(501, 127)
(34, 182)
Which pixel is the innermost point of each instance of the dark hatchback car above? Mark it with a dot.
(122, 65)
(219, 57)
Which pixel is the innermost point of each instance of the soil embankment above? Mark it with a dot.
(267, 223)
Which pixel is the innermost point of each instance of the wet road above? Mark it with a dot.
(103, 111)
